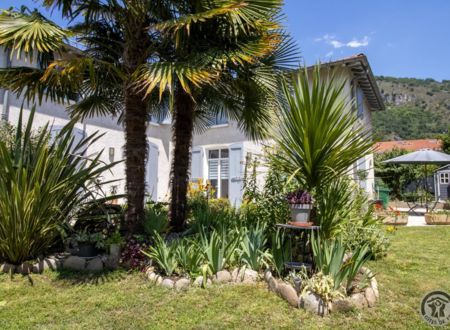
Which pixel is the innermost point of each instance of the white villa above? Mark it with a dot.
(218, 154)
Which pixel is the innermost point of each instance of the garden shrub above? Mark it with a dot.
(42, 185)
(156, 218)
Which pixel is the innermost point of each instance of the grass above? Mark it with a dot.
(419, 261)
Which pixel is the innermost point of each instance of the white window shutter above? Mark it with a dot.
(196, 164)
(236, 172)
(152, 172)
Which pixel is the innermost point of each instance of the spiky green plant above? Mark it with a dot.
(189, 257)
(253, 251)
(163, 254)
(328, 258)
(41, 185)
(319, 137)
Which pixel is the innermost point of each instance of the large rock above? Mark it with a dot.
(24, 268)
(159, 279)
(199, 281)
(151, 276)
(358, 300)
(182, 284)
(374, 285)
(267, 275)
(288, 293)
(273, 284)
(95, 265)
(74, 263)
(313, 303)
(222, 276)
(244, 275)
(370, 297)
(167, 283)
(341, 305)
(52, 263)
(7, 268)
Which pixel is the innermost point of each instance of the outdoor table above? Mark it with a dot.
(302, 230)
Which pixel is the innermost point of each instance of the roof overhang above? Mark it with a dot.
(360, 68)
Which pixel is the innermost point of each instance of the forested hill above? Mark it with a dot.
(415, 108)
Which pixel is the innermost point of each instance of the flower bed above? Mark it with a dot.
(437, 218)
(309, 300)
(392, 217)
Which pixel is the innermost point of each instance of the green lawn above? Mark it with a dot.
(419, 261)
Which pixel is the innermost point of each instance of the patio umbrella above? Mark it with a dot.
(422, 157)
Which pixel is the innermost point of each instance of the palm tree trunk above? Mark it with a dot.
(183, 125)
(135, 158)
(135, 120)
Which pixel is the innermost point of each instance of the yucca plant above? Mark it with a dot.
(41, 185)
(219, 248)
(280, 250)
(189, 257)
(319, 137)
(328, 258)
(164, 254)
(253, 251)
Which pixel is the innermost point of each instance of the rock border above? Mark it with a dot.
(313, 303)
(236, 276)
(62, 261)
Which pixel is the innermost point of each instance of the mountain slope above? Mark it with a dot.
(415, 108)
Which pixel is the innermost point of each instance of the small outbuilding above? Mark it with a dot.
(442, 183)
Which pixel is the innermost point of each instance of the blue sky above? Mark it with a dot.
(402, 38)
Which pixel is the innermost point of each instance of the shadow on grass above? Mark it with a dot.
(89, 278)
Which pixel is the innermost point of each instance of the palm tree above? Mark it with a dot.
(116, 41)
(207, 57)
(227, 59)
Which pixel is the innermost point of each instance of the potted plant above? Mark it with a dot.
(114, 242)
(301, 204)
(88, 244)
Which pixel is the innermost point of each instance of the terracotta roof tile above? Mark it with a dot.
(408, 145)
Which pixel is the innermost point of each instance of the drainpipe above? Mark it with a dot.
(4, 95)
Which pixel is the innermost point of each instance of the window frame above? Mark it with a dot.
(219, 169)
(444, 177)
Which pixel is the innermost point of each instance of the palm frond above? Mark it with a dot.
(30, 34)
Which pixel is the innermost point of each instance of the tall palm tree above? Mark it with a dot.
(115, 41)
(207, 56)
(227, 59)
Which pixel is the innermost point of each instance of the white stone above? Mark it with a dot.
(158, 279)
(95, 265)
(273, 285)
(52, 263)
(222, 276)
(358, 300)
(341, 305)
(199, 281)
(151, 276)
(167, 283)
(24, 268)
(313, 303)
(374, 285)
(288, 293)
(182, 284)
(250, 276)
(267, 275)
(74, 263)
(6, 268)
(370, 297)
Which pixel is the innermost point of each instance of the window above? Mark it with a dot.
(218, 171)
(444, 178)
(360, 102)
(220, 119)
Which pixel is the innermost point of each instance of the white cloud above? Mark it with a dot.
(329, 54)
(354, 43)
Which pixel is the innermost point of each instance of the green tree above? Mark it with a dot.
(445, 141)
(208, 57)
(395, 176)
(236, 52)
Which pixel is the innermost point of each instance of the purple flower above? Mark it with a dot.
(299, 197)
